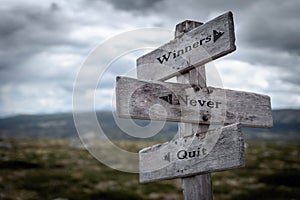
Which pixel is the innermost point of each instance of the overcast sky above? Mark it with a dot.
(43, 44)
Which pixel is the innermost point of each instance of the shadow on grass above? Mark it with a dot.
(269, 193)
(54, 183)
(115, 195)
(18, 165)
(283, 178)
(281, 185)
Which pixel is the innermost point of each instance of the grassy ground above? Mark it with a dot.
(50, 169)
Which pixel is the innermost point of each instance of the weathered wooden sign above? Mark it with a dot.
(205, 43)
(216, 150)
(191, 155)
(190, 103)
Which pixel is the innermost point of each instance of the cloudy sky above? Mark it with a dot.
(43, 45)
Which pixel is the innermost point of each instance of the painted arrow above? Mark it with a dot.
(207, 42)
(216, 150)
(185, 103)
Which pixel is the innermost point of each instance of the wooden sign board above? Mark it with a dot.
(216, 150)
(185, 103)
(207, 42)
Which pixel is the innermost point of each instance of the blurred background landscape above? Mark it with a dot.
(44, 46)
(61, 126)
(43, 158)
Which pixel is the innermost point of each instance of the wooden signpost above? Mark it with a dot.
(184, 103)
(196, 151)
(196, 47)
(192, 154)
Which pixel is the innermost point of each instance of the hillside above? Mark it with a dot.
(62, 126)
(54, 169)
(286, 127)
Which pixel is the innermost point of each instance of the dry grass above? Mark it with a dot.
(49, 169)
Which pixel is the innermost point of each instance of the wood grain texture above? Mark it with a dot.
(190, 103)
(205, 43)
(216, 150)
(197, 187)
(200, 185)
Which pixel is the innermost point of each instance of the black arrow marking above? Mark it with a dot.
(167, 98)
(217, 34)
(167, 157)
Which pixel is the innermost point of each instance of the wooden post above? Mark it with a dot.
(191, 103)
(196, 187)
(135, 97)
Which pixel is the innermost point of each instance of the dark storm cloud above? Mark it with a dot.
(40, 40)
(20, 23)
(27, 30)
(269, 24)
(274, 25)
(134, 5)
(164, 6)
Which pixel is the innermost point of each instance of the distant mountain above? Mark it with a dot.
(63, 126)
(286, 127)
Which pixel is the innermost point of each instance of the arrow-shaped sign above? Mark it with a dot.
(207, 42)
(215, 150)
(217, 34)
(182, 103)
(167, 98)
